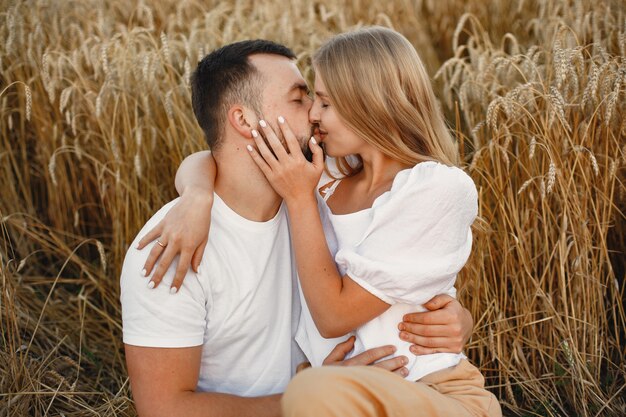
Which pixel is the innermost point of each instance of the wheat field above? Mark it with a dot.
(95, 117)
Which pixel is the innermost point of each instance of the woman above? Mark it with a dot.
(382, 240)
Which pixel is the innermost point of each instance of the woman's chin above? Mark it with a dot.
(324, 147)
(329, 152)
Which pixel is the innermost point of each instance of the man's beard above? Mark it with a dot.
(304, 142)
(306, 149)
(308, 154)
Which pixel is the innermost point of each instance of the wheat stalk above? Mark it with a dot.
(80, 177)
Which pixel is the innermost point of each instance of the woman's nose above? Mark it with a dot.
(314, 114)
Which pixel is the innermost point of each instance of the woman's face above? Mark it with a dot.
(338, 139)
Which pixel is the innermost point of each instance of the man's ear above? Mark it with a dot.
(243, 120)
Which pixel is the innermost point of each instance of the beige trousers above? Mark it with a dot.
(328, 391)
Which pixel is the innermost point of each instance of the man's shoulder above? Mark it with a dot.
(156, 218)
(154, 317)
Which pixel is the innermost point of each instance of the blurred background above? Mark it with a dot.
(95, 117)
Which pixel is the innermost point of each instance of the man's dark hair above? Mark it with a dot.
(225, 77)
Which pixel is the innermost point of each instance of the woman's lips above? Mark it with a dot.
(320, 134)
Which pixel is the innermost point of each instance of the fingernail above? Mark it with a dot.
(249, 148)
(402, 335)
(262, 123)
(151, 284)
(413, 350)
(137, 245)
(144, 272)
(255, 133)
(405, 372)
(313, 141)
(281, 120)
(400, 326)
(173, 290)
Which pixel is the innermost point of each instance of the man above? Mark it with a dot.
(223, 345)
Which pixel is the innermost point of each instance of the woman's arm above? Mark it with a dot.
(185, 229)
(197, 171)
(445, 327)
(338, 305)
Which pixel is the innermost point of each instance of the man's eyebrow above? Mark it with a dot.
(299, 86)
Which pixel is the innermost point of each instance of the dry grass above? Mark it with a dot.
(95, 117)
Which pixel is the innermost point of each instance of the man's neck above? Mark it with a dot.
(243, 187)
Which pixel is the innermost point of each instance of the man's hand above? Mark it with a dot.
(445, 328)
(337, 357)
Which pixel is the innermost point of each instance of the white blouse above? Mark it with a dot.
(405, 249)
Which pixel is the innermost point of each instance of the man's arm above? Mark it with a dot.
(163, 382)
(445, 328)
(163, 336)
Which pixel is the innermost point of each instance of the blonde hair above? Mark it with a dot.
(381, 90)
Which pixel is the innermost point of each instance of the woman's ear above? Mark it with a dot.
(242, 120)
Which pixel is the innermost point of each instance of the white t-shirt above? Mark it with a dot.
(239, 306)
(405, 249)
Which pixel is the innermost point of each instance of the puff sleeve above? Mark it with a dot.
(419, 237)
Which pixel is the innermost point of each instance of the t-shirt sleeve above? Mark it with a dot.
(419, 237)
(154, 317)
